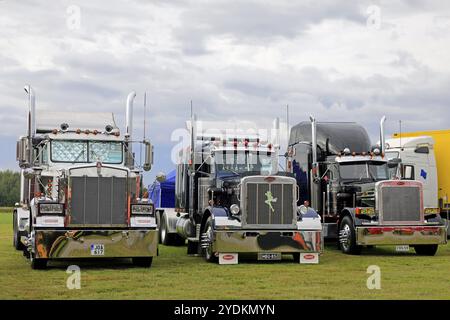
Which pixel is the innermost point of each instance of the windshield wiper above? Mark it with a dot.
(355, 180)
(372, 176)
(78, 156)
(232, 171)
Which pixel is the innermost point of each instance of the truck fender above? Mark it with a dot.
(22, 215)
(349, 212)
(213, 212)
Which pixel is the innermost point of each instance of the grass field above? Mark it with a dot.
(174, 275)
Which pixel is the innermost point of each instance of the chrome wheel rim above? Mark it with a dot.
(345, 237)
(208, 249)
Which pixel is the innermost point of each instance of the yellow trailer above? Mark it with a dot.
(442, 155)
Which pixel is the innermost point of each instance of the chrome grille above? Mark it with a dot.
(98, 201)
(259, 213)
(401, 204)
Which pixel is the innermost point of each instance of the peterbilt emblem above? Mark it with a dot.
(270, 199)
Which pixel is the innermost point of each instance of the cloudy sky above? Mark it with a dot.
(340, 60)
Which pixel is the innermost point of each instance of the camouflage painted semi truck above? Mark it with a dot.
(81, 194)
(231, 200)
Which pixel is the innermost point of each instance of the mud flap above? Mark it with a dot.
(228, 258)
(309, 258)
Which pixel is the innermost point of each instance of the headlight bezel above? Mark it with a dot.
(235, 209)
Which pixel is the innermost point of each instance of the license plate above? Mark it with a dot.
(269, 256)
(402, 248)
(97, 249)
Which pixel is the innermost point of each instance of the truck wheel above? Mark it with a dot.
(347, 237)
(169, 239)
(426, 250)
(207, 238)
(38, 264)
(144, 262)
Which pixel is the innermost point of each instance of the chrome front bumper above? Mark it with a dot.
(401, 235)
(62, 244)
(267, 241)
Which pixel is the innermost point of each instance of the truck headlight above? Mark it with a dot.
(51, 208)
(234, 209)
(432, 211)
(369, 211)
(142, 209)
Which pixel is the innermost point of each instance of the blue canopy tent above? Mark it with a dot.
(163, 193)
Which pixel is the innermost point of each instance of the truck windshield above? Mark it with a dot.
(77, 151)
(244, 162)
(354, 171)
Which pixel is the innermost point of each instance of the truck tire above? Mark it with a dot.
(347, 237)
(426, 250)
(144, 262)
(163, 234)
(166, 238)
(16, 234)
(38, 264)
(207, 236)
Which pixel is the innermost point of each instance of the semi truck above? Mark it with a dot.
(81, 192)
(346, 179)
(424, 156)
(231, 199)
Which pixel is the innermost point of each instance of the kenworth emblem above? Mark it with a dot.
(270, 199)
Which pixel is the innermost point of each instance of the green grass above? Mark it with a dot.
(174, 275)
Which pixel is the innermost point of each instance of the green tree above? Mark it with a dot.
(9, 188)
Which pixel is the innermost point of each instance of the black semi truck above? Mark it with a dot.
(346, 180)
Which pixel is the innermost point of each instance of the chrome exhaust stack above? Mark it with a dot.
(382, 136)
(277, 131)
(31, 119)
(129, 114)
(313, 139)
(129, 129)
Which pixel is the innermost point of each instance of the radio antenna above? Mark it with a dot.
(145, 112)
(145, 115)
(400, 124)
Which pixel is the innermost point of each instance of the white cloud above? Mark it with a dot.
(234, 59)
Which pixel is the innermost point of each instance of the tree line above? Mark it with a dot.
(9, 188)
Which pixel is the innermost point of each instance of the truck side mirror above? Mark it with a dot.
(148, 155)
(392, 163)
(22, 152)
